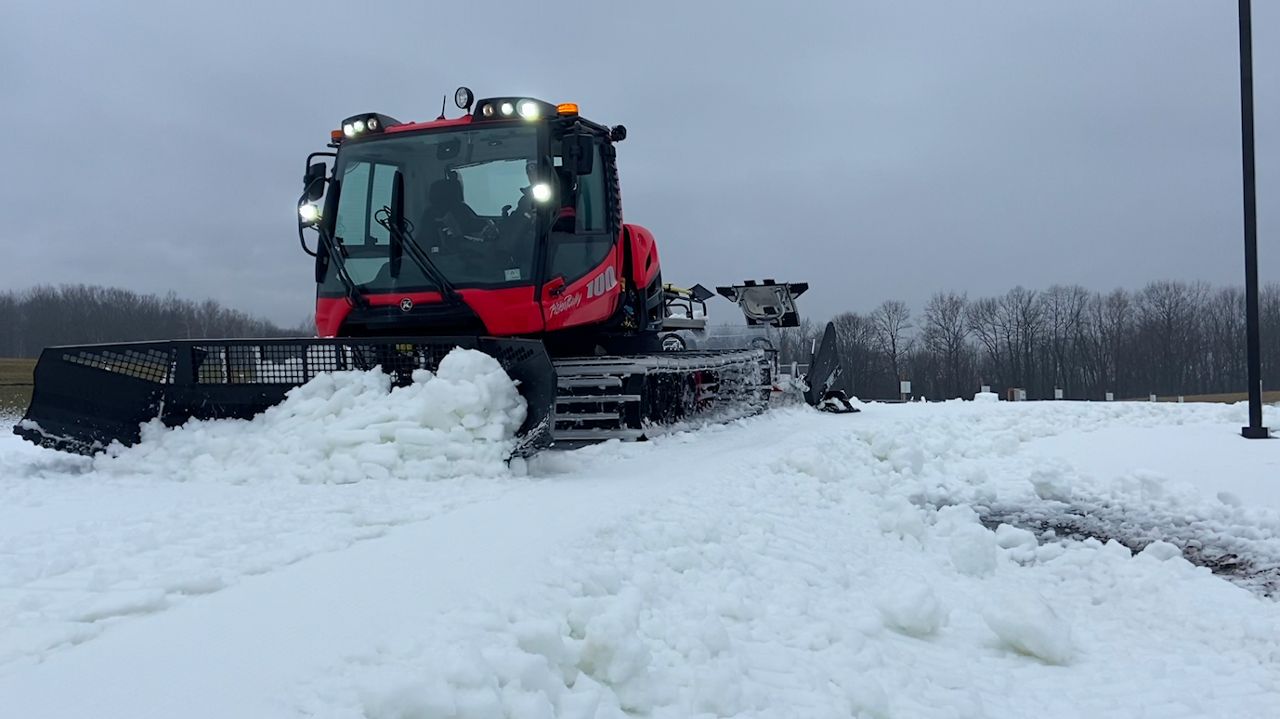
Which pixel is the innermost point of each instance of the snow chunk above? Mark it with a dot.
(1161, 551)
(866, 696)
(411, 699)
(1028, 625)
(952, 517)
(986, 397)
(1051, 483)
(901, 518)
(346, 427)
(1230, 499)
(614, 654)
(973, 550)
(1021, 544)
(912, 608)
(1010, 537)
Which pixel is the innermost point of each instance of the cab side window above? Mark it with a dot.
(579, 246)
(366, 188)
(591, 204)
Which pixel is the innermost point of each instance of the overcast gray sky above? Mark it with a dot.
(874, 149)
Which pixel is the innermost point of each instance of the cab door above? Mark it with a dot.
(583, 266)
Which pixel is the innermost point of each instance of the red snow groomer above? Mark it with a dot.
(500, 230)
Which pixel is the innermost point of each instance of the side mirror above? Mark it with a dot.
(586, 160)
(579, 153)
(313, 181)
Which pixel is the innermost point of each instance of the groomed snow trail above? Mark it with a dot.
(790, 565)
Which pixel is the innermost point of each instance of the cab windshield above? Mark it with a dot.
(467, 205)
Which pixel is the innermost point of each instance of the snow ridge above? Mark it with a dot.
(816, 579)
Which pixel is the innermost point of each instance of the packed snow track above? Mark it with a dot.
(342, 558)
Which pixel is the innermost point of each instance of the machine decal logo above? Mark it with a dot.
(602, 283)
(565, 304)
(406, 304)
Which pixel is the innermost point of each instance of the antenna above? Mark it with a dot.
(443, 100)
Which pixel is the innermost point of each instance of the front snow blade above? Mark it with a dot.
(87, 397)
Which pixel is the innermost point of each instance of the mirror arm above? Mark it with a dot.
(302, 240)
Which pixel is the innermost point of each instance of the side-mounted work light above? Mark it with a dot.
(308, 213)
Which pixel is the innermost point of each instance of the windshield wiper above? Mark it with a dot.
(392, 218)
(354, 295)
(334, 252)
(410, 247)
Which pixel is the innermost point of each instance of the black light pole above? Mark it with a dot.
(1255, 430)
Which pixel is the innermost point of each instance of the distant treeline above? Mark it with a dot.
(33, 319)
(1170, 338)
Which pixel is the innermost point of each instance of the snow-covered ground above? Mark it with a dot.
(336, 560)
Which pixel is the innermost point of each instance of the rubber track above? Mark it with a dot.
(635, 397)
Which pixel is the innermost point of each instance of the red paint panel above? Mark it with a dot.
(330, 312)
(591, 299)
(432, 125)
(383, 300)
(644, 255)
(504, 312)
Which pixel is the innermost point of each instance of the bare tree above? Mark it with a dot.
(1106, 329)
(1224, 328)
(983, 318)
(946, 334)
(1021, 325)
(854, 339)
(890, 323)
(1269, 319)
(1063, 309)
(1169, 330)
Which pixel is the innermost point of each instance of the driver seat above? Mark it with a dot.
(447, 209)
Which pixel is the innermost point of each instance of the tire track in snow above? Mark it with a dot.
(1239, 550)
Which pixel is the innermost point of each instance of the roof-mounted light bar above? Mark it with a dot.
(511, 108)
(368, 123)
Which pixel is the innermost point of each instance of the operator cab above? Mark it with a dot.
(505, 221)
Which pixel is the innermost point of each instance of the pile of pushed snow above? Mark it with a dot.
(349, 426)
